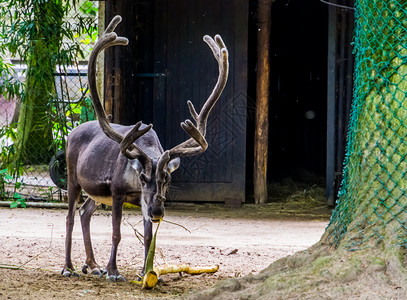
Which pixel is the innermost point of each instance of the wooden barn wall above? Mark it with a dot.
(166, 64)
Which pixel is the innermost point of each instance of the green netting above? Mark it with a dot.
(372, 200)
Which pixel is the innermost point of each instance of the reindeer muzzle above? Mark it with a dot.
(156, 211)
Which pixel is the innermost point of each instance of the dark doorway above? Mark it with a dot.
(297, 121)
(298, 82)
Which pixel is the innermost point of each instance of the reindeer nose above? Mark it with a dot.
(156, 211)
(156, 214)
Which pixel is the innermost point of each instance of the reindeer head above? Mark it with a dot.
(154, 171)
(154, 187)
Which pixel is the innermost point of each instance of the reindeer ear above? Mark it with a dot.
(173, 164)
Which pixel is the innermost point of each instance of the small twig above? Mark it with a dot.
(138, 234)
(199, 227)
(177, 225)
(140, 237)
(47, 249)
(161, 254)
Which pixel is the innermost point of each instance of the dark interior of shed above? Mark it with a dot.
(297, 109)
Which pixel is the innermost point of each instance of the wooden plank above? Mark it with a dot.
(160, 67)
(120, 66)
(191, 71)
(110, 11)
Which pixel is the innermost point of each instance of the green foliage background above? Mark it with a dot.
(47, 35)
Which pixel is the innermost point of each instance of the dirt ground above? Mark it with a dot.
(241, 241)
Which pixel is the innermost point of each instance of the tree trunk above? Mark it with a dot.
(373, 194)
(34, 132)
(262, 102)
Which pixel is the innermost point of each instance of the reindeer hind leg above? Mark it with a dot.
(74, 192)
(86, 211)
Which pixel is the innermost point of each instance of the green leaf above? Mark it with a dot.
(18, 196)
(13, 204)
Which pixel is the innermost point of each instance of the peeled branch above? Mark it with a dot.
(165, 269)
(150, 279)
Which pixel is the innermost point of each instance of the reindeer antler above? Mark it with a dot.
(197, 143)
(127, 146)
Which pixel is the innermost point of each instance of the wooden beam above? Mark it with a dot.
(262, 102)
(110, 11)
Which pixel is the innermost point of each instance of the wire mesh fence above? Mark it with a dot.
(39, 173)
(372, 201)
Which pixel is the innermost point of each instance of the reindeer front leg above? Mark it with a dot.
(117, 210)
(148, 235)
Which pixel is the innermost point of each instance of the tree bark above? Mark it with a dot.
(372, 197)
(263, 93)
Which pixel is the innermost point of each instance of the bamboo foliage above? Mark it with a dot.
(37, 33)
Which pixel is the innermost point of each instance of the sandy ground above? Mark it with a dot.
(241, 241)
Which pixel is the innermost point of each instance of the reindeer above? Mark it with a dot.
(116, 164)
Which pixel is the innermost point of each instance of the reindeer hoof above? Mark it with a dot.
(115, 278)
(85, 269)
(104, 272)
(140, 277)
(69, 273)
(98, 272)
(95, 271)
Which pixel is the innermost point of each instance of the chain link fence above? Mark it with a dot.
(44, 177)
(372, 201)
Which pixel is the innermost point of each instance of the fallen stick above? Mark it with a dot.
(11, 267)
(186, 268)
(150, 279)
